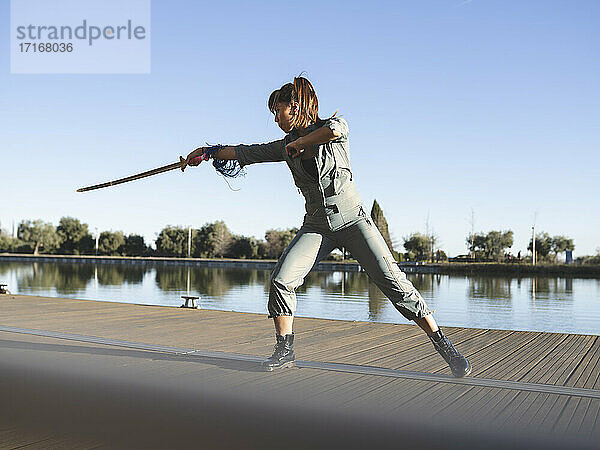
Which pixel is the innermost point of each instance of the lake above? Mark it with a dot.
(567, 305)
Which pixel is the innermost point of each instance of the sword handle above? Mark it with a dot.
(197, 159)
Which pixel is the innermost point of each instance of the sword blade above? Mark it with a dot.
(148, 173)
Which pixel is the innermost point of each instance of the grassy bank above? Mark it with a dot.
(569, 270)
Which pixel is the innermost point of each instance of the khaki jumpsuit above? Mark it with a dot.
(335, 217)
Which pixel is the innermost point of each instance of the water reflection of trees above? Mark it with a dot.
(116, 275)
(501, 288)
(358, 284)
(211, 281)
(69, 277)
(426, 283)
(490, 287)
(551, 288)
(13, 266)
(65, 278)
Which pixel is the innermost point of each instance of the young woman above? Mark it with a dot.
(317, 153)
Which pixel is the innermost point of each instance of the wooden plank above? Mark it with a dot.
(305, 337)
(471, 346)
(428, 358)
(428, 387)
(311, 335)
(285, 380)
(337, 350)
(448, 397)
(359, 351)
(383, 345)
(152, 334)
(323, 323)
(445, 397)
(395, 334)
(543, 410)
(577, 410)
(595, 425)
(219, 331)
(395, 394)
(560, 359)
(317, 348)
(384, 385)
(301, 353)
(553, 410)
(382, 399)
(487, 404)
(512, 366)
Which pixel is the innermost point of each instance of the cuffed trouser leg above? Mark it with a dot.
(366, 244)
(306, 249)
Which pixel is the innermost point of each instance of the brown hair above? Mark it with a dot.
(302, 92)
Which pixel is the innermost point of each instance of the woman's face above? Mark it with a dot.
(284, 116)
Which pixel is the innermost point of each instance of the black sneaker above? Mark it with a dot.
(458, 363)
(283, 354)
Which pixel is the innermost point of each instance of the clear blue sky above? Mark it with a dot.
(452, 106)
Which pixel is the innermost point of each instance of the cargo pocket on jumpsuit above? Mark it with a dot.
(335, 217)
(403, 283)
(340, 180)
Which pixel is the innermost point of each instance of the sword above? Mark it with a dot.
(149, 173)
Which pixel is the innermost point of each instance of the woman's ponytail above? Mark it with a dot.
(308, 103)
(303, 93)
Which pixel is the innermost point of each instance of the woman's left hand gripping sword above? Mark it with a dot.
(178, 165)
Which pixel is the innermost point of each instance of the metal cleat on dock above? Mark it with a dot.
(190, 301)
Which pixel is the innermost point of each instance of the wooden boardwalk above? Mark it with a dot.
(531, 360)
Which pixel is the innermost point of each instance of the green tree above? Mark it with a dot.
(595, 259)
(548, 247)
(381, 223)
(111, 243)
(543, 245)
(418, 247)
(497, 242)
(220, 239)
(561, 244)
(172, 241)
(277, 241)
(263, 249)
(135, 245)
(212, 240)
(491, 245)
(243, 247)
(440, 255)
(75, 238)
(8, 243)
(38, 236)
(477, 244)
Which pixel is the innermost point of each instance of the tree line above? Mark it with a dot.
(491, 246)
(212, 240)
(215, 240)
